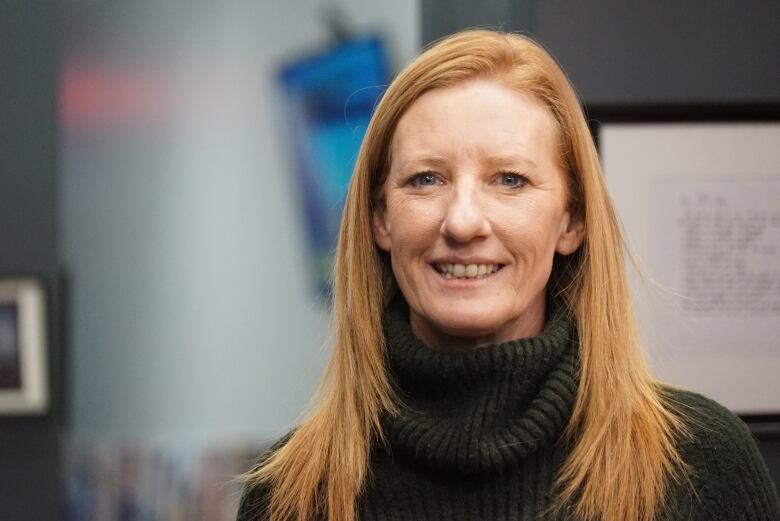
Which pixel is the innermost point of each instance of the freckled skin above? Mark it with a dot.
(475, 174)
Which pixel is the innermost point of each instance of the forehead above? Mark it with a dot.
(478, 118)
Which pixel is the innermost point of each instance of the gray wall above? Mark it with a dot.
(194, 320)
(30, 484)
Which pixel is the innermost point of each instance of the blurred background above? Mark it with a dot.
(161, 168)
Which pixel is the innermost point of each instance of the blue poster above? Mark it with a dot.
(328, 101)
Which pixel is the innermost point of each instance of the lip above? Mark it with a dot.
(464, 260)
(464, 282)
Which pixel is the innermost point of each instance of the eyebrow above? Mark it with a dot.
(499, 161)
(493, 161)
(425, 160)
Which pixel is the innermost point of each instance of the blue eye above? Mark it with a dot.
(424, 179)
(513, 180)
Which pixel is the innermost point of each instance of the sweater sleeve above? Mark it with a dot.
(728, 472)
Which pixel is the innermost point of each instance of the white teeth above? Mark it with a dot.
(469, 271)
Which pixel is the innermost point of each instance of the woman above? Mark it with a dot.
(485, 362)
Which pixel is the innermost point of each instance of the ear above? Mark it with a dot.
(572, 235)
(381, 232)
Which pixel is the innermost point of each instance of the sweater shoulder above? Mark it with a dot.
(254, 503)
(710, 423)
(255, 497)
(726, 468)
(715, 434)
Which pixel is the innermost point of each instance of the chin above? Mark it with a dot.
(467, 325)
(475, 336)
(477, 324)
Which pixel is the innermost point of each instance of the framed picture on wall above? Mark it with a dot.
(697, 190)
(23, 347)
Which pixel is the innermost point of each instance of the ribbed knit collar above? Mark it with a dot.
(481, 410)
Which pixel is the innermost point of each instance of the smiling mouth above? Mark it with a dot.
(466, 271)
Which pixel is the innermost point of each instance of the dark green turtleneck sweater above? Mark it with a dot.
(478, 437)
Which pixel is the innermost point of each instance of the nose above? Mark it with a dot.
(465, 218)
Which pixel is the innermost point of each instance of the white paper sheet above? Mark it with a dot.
(700, 205)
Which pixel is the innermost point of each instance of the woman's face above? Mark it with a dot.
(475, 206)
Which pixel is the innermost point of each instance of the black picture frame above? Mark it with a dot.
(764, 426)
(24, 375)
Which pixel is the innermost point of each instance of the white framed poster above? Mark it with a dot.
(699, 202)
(23, 367)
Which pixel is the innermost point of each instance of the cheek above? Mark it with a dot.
(413, 224)
(529, 232)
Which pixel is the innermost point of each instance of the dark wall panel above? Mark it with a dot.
(30, 480)
(665, 52)
(442, 17)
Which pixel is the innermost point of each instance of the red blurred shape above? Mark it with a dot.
(97, 96)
